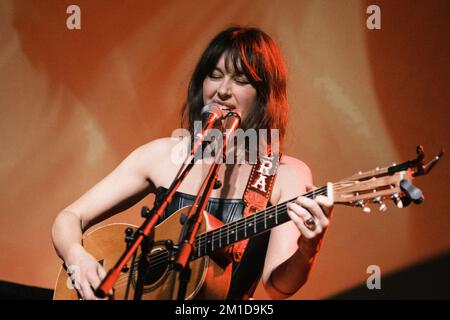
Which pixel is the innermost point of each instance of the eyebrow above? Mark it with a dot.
(238, 73)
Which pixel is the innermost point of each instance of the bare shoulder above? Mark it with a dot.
(160, 148)
(161, 158)
(293, 175)
(160, 145)
(293, 168)
(149, 158)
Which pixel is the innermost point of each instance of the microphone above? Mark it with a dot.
(230, 124)
(210, 113)
(232, 121)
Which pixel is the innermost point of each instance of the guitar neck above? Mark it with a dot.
(246, 227)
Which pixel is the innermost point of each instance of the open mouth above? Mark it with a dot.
(223, 106)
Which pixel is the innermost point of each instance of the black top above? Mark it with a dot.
(246, 273)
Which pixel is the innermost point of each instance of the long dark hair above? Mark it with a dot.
(261, 62)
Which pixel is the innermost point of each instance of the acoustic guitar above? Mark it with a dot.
(210, 265)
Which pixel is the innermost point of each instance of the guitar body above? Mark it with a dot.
(208, 280)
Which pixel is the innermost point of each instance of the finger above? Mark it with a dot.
(327, 201)
(324, 201)
(76, 283)
(310, 187)
(87, 293)
(299, 215)
(326, 204)
(314, 209)
(94, 280)
(102, 274)
(306, 215)
(305, 232)
(300, 211)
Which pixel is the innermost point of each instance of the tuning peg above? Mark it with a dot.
(398, 202)
(145, 212)
(362, 204)
(413, 193)
(406, 201)
(382, 207)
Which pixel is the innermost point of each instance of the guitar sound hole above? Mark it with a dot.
(158, 261)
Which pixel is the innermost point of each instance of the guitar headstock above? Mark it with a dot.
(387, 183)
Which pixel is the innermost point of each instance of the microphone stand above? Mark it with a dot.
(143, 233)
(195, 215)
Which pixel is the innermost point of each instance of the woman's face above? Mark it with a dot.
(229, 88)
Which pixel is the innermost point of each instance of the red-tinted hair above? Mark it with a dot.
(262, 63)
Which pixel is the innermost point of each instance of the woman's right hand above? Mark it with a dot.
(85, 272)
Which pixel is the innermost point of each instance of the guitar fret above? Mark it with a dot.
(270, 217)
(378, 183)
(265, 220)
(276, 215)
(245, 228)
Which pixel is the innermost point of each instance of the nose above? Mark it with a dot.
(224, 89)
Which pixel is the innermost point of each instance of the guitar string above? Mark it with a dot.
(159, 260)
(201, 239)
(155, 261)
(241, 222)
(162, 258)
(236, 227)
(261, 215)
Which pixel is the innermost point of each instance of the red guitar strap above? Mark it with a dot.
(257, 194)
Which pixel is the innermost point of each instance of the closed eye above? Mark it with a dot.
(215, 74)
(242, 80)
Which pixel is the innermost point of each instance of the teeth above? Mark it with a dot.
(224, 107)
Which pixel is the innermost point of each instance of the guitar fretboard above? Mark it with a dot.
(245, 227)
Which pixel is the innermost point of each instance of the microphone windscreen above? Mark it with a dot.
(211, 109)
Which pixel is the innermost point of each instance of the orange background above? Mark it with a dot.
(74, 103)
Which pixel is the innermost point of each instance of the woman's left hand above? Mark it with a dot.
(312, 218)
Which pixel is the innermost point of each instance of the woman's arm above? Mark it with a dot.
(129, 182)
(292, 247)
